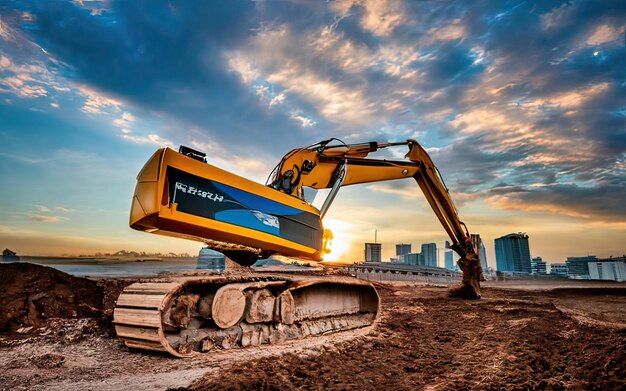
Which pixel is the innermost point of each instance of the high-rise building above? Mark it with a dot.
(429, 253)
(402, 249)
(559, 269)
(479, 247)
(373, 252)
(450, 257)
(448, 260)
(577, 267)
(538, 266)
(513, 253)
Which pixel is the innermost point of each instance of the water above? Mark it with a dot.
(90, 267)
(115, 267)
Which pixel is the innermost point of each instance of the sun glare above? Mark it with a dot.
(340, 244)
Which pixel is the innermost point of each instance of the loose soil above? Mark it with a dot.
(31, 295)
(510, 339)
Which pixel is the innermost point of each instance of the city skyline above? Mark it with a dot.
(521, 106)
(443, 249)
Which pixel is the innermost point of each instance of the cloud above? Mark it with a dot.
(605, 34)
(254, 167)
(277, 100)
(24, 159)
(97, 103)
(304, 121)
(556, 17)
(23, 62)
(95, 7)
(568, 99)
(18, 86)
(44, 214)
(24, 80)
(45, 218)
(69, 156)
(149, 139)
(198, 89)
(511, 96)
(125, 120)
(451, 30)
(596, 203)
(378, 17)
(404, 192)
(245, 68)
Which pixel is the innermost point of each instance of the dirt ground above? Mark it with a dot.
(571, 338)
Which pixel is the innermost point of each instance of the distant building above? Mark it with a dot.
(608, 269)
(559, 269)
(450, 257)
(373, 252)
(448, 261)
(479, 247)
(210, 259)
(448, 254)
(578, 267)
(402, 249)
(513, 253)
(538, 266)
(412, 259)
(9, 256)
(429, 254)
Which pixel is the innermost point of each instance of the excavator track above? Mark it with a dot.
(185, 316)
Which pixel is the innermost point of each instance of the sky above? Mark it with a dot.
(521, 104)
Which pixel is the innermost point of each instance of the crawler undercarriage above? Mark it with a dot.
(185, 316)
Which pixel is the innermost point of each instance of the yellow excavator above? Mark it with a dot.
(179, 194)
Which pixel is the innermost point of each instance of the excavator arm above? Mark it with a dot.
(325, 165)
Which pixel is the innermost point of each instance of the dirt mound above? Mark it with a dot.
(505, 341)
(30, 294)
